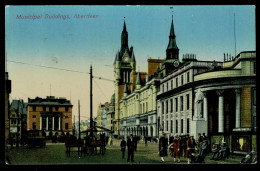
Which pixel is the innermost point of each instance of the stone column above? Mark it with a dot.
(205, 106)
(40, 122)
(53, 123)
(47, 118)
(59, 123)
(220, 111)
(237, 108)
(164, 115)
(149, 131)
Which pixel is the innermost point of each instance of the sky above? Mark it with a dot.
(73, 44)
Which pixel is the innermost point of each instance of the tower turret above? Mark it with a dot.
(172, 51)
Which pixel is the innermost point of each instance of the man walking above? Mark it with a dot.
(130, 147)
(176, 146)
(162, 147)
(123, 146)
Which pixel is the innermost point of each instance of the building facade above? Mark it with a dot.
(175, 106)
(111, 113)
(51, 114)
(18, 120)
(227, 100)
(138, 110)
(7, 105)
(124, 72)
(102, 114)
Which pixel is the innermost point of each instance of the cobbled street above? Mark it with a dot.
(56, 154)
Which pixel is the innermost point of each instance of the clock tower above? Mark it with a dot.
(124, 71)
(172, 55)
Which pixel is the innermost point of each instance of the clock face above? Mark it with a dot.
(126, 59)
(176, 63)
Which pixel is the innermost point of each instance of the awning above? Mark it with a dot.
(97, 129)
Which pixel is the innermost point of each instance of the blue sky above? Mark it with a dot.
(207, 31)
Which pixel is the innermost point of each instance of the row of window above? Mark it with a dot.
(169, 84)
(49, 126)
(176, 104)
(176, 126)
(51, 108)
(34, 116)
(13, 121)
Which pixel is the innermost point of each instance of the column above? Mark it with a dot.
(59, 123)
(205, 106)
(237, 108)
(47, 118)
(220, 111)
(164, 119)
(53, 123)
(149, 131)
(179, 117)
(40, 122)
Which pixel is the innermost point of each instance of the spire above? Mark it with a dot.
(132, 55)
(172, 51)
(138, 81)
(124, 40)
(172, 41)
(124, 28)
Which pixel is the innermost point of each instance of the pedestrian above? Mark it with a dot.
(162, 147)
(123, 146)
(215, 150)
(135, 142)
(190, 147)
(145, 140)
(130, 148)
(199, 141)
(223, 152)
(176, 147)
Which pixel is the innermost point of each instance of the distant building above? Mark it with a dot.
(111, 114)
(7, 105)
(51, 114)
(18, 120)
(102, 114)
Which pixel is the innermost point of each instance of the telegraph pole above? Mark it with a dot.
(79, 117)
(91, 119)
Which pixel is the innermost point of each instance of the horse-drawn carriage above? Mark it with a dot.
(35, 138)
(92, 143)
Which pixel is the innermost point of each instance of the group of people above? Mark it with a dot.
(220, 152)
(179, 146)
(183, 146)
(131, 145)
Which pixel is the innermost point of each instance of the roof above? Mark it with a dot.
(49, 101)
(138, 82)
(102, 129)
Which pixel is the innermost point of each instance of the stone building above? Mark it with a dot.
(111, 114)
(102, 114)
(125, 72)
(138, 109)
(226, 103)
(175, 100)
(51, 114)
(18, 120)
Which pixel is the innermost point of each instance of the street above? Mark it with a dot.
(55, 154)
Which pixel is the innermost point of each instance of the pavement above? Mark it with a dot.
(54, 153)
